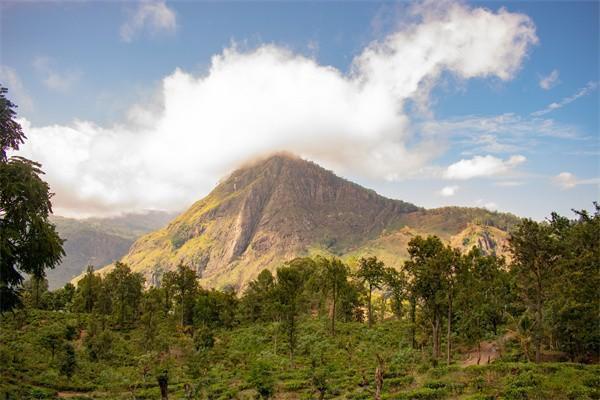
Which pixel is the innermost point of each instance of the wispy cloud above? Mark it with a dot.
(584, 91)
(486, 130)
(549, 81)
(567, 180)
(53, 79)
(153, 16)
(16, 91)
(509, 183)
(482, 166)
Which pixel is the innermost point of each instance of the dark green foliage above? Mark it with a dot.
(52, 337)
(288, 292)
(258, 304)
(533, 248)
(151, 314)
(67, 361)
(11, 133)
(261, 379)
(429, 267)
(28, 241)
(88, 291)
(372, 272)
(125, 291)
(182, 286)
(333, 280)
(575, 305)
(204, 338)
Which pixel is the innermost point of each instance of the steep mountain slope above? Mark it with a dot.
(99, 241)
(281, 207)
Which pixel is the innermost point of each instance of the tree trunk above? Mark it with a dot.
(378, 378)
(413, 313)
(436, 332)
(163, 383)
(333, 312)
(448, 340)
(370, 306)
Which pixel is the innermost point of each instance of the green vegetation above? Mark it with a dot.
(29, 243)
(303, 332)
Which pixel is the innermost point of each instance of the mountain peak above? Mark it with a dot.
(271, 210)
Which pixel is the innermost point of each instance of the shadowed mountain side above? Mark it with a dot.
(99, 241)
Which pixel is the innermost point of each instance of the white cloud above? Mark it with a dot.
(549, 81)
(153, 16)
(567, 180)
(584, 91)
(448, 191)
(481, 166)
(16, 91)
(490, 205)
(253, 102)
(51, 78)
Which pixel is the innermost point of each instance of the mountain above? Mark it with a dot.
(99, 241)
(281, 207)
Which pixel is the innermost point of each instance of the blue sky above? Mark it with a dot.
(106, 89)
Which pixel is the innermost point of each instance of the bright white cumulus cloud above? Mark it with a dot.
(482, 166)
(250, 103)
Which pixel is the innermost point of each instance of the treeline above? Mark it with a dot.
(546, 295)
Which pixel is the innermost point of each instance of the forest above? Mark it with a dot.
(444, 325)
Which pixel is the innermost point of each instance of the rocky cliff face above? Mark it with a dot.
(278, 208)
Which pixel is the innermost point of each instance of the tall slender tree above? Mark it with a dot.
(334, 278)
(372, 272)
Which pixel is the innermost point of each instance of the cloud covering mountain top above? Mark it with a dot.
(248, 103)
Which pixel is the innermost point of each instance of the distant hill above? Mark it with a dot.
(281, 207)
(99, 241)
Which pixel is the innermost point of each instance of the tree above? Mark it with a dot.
(334, 278)
(574, 304)
(29, 243)
(534, 257)
(51, 337)
(396, 283)
(88, 289)
(182, 284)
(34, 293)
(125, 288)
(257, 302)
(482, 292)
(372, 272)
(428, 266)
(453, 259)
(68, 362)
(290, 285)
(151, 305)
